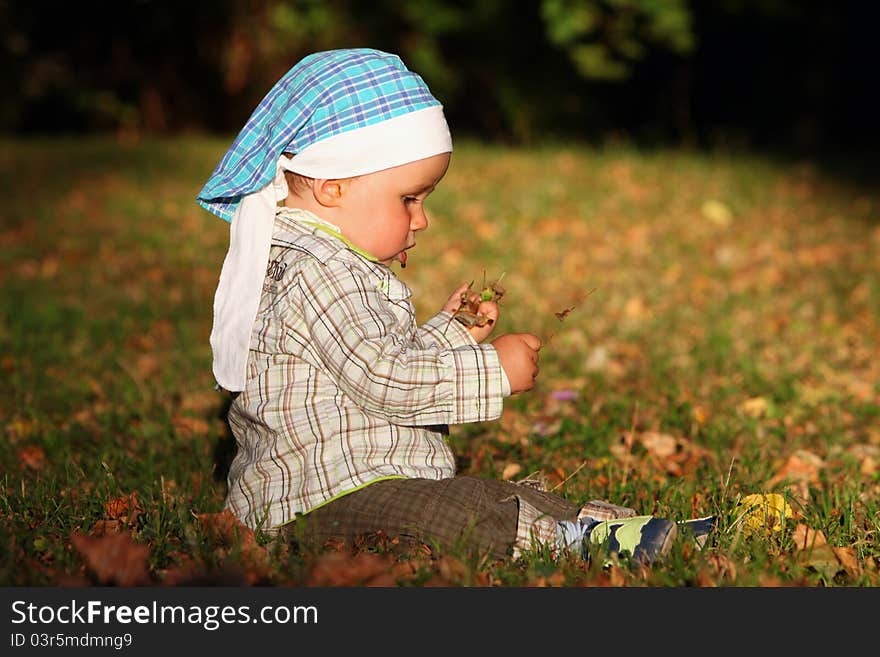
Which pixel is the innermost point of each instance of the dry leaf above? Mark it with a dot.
(510, 471)
(114, 559)
(722, 566)
(125, 509)
(755, 407)
(763, 513)
(716, 212)
(225, 528)
(229, 532)
(341, 569)
(822, 559)
(32, 457)
(661, 445)
(847, 558)
(105, 527)
(562, 314)
(806, 538)
(802, 466)
(189, 426)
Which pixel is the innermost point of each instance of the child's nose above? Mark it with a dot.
(419, 220)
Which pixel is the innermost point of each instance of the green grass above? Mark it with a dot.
(744, 339)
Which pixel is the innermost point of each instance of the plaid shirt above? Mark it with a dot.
(343, 388)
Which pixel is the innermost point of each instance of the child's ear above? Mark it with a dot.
(328, 192)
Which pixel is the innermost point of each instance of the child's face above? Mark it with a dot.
(382, 211)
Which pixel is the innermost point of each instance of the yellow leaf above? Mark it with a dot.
(717, 212)
(754, 407)
(763, 512)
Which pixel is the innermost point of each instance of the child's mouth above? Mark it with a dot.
(402, 257)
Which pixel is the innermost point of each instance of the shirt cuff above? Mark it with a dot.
(478, 384)
(505, 384)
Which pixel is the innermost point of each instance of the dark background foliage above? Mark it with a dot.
(771, 74)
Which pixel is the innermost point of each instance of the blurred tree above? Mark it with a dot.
(604, 37)
(786, 72)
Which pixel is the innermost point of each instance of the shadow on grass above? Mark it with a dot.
(224, 448)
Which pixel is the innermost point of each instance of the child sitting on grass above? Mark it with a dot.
(341, 402)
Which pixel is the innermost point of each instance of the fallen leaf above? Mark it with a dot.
(105, 527)
(125, 509)
(716, 212)
(661, 445)
(114, 559)
(226, 529)
(722, 566)
(147, 365)
(188, 426)
(868, 456)
(763, 513)
(802, 466)
(847, 558)
(822, 559)
(700, 414)
(510, 471)
(231, 534)
(341, 569)
(806, 538)
(754, 407)
(33, 457)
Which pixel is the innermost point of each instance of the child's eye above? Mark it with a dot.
(410, 199)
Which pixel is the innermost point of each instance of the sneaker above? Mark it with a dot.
(643, 538)
(700, 528)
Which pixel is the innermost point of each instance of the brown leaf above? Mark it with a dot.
(822, 559)
(847, 558)
(230, 533)
(226, 529)
(32, 456)
(201, 401)
(188, 426)
(510, 471)
(868, 456)
(147, 365)
(452, 569)
(806, 538)
(114, 559)
(125, 509)
(562, 314)
(341, 569)
(802, 466)
(105, 527)
(661, 445)
(722, 566)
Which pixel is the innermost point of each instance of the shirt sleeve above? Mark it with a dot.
(443, 329)
(366, 348)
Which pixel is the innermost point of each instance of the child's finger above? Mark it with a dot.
(533, 341)
(454, 301)
(489, 309)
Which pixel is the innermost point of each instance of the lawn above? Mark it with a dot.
(711, 326)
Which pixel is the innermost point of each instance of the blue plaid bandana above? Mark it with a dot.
(325, 94)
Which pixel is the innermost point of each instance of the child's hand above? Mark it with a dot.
(518, 353)
(488, 309)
